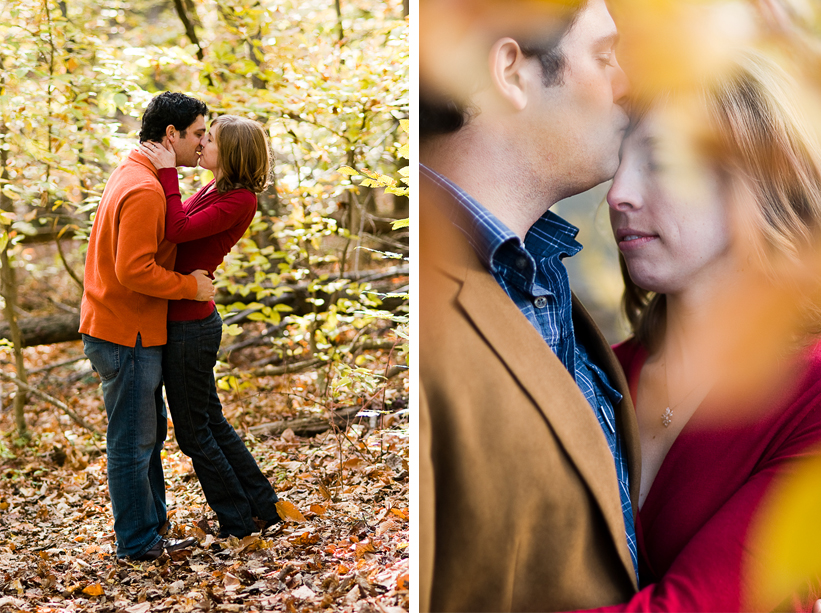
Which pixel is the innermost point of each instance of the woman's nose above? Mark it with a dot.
(624, 193)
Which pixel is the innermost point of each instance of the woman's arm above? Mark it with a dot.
(227, 211)
(231, 208)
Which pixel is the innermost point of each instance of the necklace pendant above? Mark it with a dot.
(667, 417)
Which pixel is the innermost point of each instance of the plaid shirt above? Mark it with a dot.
(535, 278)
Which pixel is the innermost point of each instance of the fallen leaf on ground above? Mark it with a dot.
(95, 589)
(303, 592)
(287, 510)
(230, 582)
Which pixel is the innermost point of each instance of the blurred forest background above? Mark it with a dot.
(314, 297)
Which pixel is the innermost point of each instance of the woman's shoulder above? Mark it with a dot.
(240, 196)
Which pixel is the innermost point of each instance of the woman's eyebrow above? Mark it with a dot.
(608, 40)
(649, 141)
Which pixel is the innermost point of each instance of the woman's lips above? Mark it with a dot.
(632, 239)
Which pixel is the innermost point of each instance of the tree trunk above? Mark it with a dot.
(338, 7)
(46, 330)
(8, 286)
(63, 327)
(10, 298)
(308, 426)
(188, 24)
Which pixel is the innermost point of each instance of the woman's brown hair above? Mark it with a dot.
(759, 141)
(243, 154)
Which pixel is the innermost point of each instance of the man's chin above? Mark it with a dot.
(608, 169)
(606, 173)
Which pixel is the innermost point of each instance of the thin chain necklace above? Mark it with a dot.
(667, 414)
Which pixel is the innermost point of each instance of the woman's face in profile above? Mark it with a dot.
(209, 151)
(667, 210)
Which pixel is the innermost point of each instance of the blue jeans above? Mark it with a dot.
(137, 425)
(233, 484)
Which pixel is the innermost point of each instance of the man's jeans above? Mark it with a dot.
(233, 484)
(137, 425)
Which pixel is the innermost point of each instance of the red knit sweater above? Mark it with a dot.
(206, 227)
(128, 279)
(693, 528)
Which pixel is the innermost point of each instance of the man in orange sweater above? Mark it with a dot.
(129, 280)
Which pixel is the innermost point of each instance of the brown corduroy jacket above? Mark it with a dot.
(519, 502)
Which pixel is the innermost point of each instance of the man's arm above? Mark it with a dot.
(141, 219)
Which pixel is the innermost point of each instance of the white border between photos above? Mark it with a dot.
(413, 362)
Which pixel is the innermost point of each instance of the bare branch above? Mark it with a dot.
(51, 400)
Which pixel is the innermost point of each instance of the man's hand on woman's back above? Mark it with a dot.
(205, 286)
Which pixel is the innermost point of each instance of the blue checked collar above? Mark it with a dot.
(496, 244)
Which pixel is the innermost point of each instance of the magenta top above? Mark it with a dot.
(693, 529)
(206, 227)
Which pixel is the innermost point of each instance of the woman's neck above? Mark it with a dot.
(700, 316)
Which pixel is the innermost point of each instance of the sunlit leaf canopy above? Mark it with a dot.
(76, 76)
(328, 80)
(671, 51)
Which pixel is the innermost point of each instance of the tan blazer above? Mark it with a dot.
(519, 501)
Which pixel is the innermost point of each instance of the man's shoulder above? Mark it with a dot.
(131, 179)
(135, 174)
(442, 246)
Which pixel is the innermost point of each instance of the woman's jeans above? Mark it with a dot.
(233, 484)
(137, 425)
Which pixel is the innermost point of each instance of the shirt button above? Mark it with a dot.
(540, 302)
(521, 263)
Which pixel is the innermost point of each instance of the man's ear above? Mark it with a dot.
(171, 134)
(510, 72)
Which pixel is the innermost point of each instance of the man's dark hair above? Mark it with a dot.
(170, 109)
(442, 115)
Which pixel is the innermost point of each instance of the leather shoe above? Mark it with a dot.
(168, 545)
(178, 544)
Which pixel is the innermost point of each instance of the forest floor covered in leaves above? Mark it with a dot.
(343, 545)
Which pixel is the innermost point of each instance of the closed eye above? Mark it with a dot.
(606, 59)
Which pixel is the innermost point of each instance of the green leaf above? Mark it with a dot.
(121, 100)
(232, 329)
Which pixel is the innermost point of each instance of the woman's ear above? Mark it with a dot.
(510, 72)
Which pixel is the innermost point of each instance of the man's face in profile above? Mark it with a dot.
(188, 143)
(585, 110)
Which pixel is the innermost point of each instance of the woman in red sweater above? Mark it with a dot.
(716, 200)
(206, 227)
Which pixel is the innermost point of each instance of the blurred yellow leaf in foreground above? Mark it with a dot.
(788, 535)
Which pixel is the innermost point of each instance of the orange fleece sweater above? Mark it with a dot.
(129, 276)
